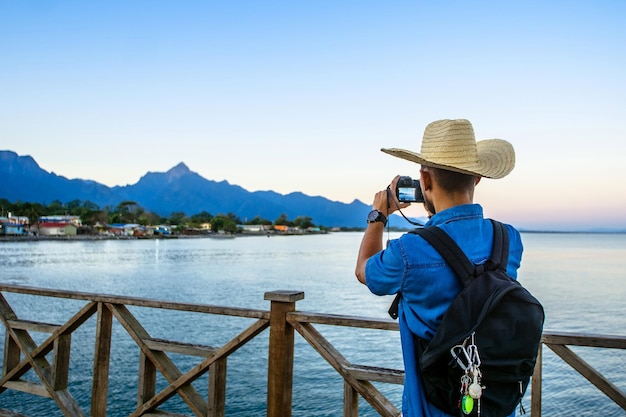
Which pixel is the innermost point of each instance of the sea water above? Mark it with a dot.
(579, 278)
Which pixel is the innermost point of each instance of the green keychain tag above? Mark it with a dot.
(467, 404)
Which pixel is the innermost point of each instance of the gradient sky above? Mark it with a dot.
(301, 95)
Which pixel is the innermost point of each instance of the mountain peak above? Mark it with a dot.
(11, 162)
(178, 171)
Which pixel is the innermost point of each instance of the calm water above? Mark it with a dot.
(578, 277)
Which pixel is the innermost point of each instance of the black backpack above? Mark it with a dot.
(492, 330)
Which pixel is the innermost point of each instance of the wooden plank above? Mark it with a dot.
(28, 387)
(136, 301)
(147, 380)
(535, 399)
(373, 373)
(34, 326)
(350, 401)
(217, 388)
(340, 320)
(102, 356)
(11, 355)
(280, 359)
(582, 339)
(61, 361)
(284, 296)
(191, 349)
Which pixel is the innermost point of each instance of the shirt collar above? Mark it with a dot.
(464, 211)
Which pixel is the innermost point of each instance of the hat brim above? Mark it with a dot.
(496, 159)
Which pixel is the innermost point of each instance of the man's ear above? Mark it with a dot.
(477, 180)
(427, 180)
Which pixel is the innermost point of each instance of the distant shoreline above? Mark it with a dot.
(33, 238)
(83, 238)
(579, 232)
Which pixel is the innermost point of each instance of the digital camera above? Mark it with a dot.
(408, 190)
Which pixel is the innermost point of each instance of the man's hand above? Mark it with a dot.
(392, 201)
(386, 202)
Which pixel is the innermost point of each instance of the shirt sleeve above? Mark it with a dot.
(516, 249)
(384, 271)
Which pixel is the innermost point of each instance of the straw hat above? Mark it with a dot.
(451, 145)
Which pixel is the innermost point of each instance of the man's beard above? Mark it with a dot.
(429, 205)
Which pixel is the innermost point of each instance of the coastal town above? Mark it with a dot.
(70, 226)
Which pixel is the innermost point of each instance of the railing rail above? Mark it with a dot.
(50, 359)
(22, 353)
(357, 378)
(558, 343)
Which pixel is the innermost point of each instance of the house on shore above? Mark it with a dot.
(123, 229)
(254, 228)
(64, 218)
(287, 229)
(13, 225)
(57, 229)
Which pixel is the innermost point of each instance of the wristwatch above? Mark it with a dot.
(376, 216)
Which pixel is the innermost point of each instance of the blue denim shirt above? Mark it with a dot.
(413, 268)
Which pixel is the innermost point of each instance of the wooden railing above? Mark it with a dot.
(357, 378)
(22, 354)
(558, 343)
(50, 359)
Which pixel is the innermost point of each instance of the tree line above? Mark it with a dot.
(129, 212)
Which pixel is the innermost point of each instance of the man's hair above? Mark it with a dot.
(453, 181)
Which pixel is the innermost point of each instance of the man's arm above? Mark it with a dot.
(371, 244)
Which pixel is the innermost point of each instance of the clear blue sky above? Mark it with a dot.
(301, 95)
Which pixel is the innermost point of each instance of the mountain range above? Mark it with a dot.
(177, 190)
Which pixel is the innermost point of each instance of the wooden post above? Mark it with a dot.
(350, 401)
(11, 354)
(535, 398)
(61, 361)
(147, 380)
(280, 361)
(217, 388)
(102, 355)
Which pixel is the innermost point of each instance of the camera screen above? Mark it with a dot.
(406, 194)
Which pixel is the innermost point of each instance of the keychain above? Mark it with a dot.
(468, 359)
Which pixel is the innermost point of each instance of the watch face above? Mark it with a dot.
(373, 215)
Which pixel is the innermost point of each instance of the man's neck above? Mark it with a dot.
(446, 200)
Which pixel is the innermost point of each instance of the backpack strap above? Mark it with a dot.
(500, 253)
(454, 256)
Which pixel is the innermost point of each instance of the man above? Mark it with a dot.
(452, 163)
